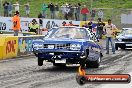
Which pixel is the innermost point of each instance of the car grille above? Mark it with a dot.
(127, 40)
(57, 46)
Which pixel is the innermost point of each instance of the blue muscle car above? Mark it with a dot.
(68, 45)
(124, 39)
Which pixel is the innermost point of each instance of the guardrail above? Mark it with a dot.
(11, 46)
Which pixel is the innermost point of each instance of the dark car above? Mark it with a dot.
(68, 45)
(124, 39)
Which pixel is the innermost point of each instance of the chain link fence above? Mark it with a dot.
(114, 15)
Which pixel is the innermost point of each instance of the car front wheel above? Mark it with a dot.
(93, 64)
(116, 47)
(40, 61)
(123, 48)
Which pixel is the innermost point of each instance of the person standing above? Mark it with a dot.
(10, 8)
(40, 16)
(77, 12)
(84, 12)
(44, 9)
(52, 10)
(16, 6)
(71, 12)
(66, 11)
(56, 10)
(93, 13)
(100, 26)
(27, 9)
(100, 14)
(108, 28)
(90, 25)
(5, 5)
(16, 23)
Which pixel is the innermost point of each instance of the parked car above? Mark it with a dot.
(68, 45)
(124, 39)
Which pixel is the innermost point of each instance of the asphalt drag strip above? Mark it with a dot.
(24, 72)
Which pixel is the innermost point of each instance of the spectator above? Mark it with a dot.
(66, 11)
(100, 26)
(5, 5)
(63, 9)
(77, 12)
(90, 25)
(27, 9)
(108, 28)
(10, 8)
(16, 23)
(84, 12)
(70, 14)
(100, 14)
(16, 6)
(70, 24)
(93, 13)
(40, 16)
(52, 10)
(34, 26)
(63, 23)
(56, 10)
(44, 8)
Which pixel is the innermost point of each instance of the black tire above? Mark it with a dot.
(123, 48)
(93, 64)
(116, 47)
(40, 61)
(80, 79)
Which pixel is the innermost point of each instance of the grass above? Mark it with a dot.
(35, 5)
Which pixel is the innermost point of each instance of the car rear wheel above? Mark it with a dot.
(93, 64)
(40, 61)
(123, 48)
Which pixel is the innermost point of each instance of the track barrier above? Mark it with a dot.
(11, 46)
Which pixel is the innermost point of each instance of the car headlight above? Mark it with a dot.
(75, 46)
(37, 46)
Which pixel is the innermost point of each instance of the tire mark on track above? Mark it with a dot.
(41, 77)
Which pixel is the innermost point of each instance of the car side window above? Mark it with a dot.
(85, 33)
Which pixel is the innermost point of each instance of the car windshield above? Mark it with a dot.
(127, 32)
(68, 32)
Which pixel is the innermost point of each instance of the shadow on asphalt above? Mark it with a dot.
(67, 69)
(126, 49)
